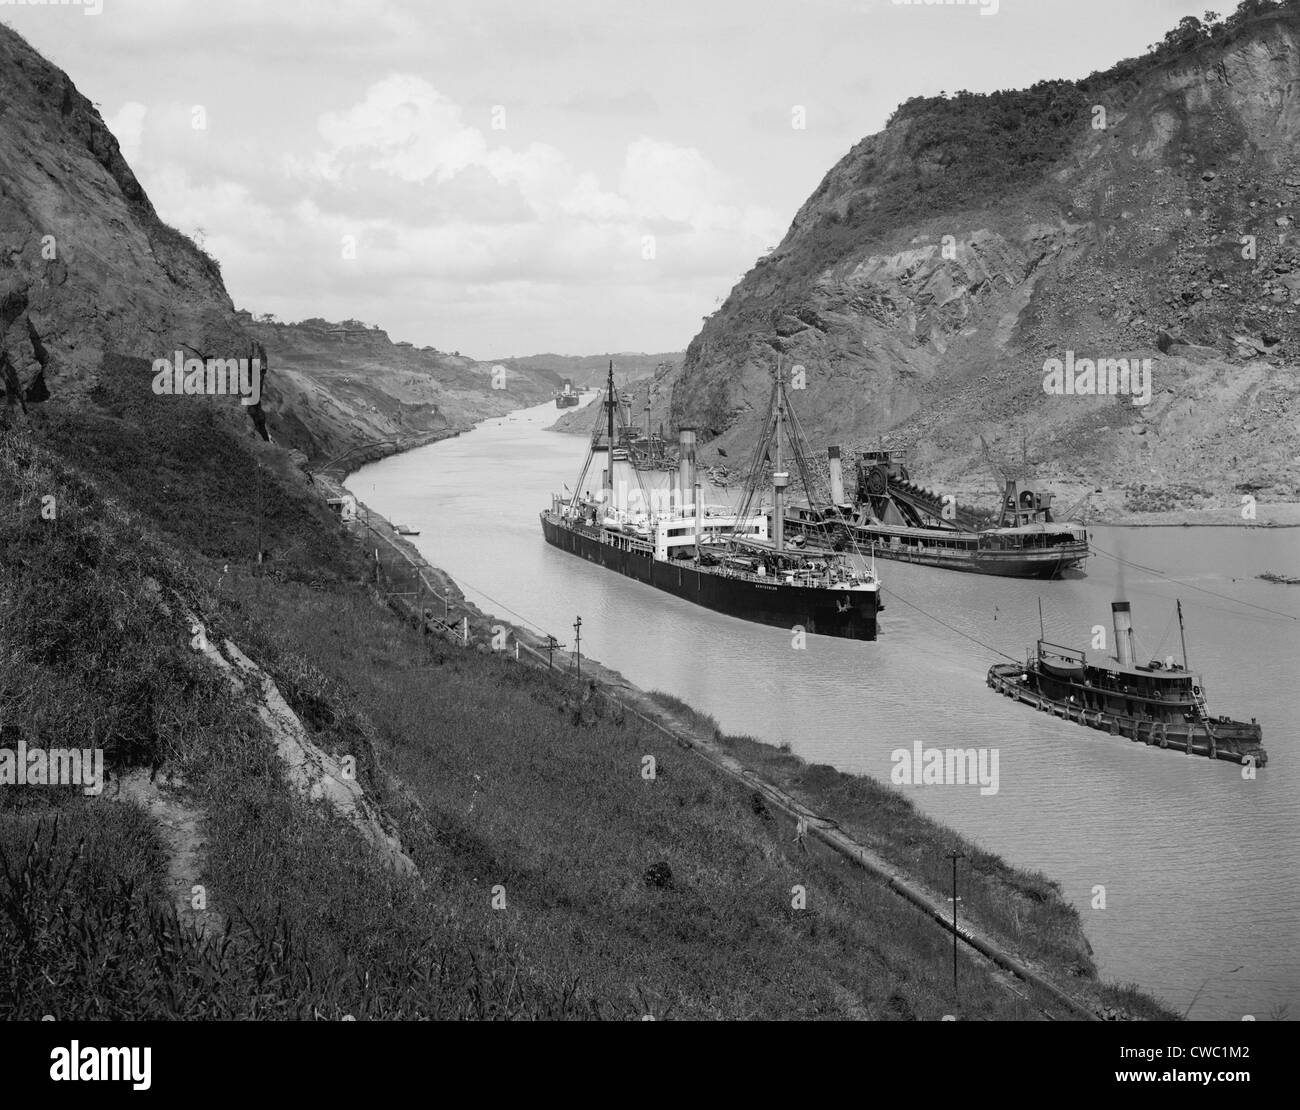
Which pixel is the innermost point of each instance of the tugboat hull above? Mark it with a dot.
(1234, 741)
(825, 612)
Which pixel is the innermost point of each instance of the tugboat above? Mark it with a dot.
(730, 562)
(567, 397)
(906, 522)
(1160, 704)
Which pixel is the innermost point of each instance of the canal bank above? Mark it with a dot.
(1015, 925)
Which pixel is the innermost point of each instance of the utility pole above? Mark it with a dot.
(259, 518)
(577, 644)
(954, 856)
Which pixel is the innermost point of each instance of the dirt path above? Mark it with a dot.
(180, 827)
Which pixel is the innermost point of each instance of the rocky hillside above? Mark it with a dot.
(86, 266)
(91, 278)
(345, 387)
(1145, 212)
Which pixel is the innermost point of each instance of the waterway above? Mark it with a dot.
(1184, 872)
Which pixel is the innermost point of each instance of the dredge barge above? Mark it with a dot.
(903, 521)
(1160, 704)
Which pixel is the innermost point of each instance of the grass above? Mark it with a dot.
(556, 880)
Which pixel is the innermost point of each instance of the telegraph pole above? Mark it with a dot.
(954, 856)
(259, 518)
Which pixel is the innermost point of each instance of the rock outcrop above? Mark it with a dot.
(1146, 212)
(86, 266)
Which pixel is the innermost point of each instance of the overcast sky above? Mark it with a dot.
(496, 167)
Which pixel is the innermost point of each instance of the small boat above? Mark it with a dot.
(406, 530)
(1160, 704)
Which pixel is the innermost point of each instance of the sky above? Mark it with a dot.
(567, 176)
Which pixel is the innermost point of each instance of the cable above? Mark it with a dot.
(1191, 585)
(959, 632)
(466, 586)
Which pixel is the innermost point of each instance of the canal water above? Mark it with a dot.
(1198, 865)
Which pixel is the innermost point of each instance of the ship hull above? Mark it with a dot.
(818, 611)
(1234, 741)
(950, 553)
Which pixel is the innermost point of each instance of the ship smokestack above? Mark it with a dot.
(779, 481)
(1123, 620)
(686, 465)
(837, 475)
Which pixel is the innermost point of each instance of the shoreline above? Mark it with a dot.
(802, 785)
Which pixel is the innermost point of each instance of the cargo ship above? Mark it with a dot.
(903, 521)
(568, 397)
(735, 562)
(1160, 704)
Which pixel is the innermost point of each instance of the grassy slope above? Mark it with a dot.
(495, 776)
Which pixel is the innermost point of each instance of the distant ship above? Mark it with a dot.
(1161, 704)
(730, 562)
(567, 397)
(903, 521)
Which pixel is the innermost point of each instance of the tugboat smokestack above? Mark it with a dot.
(686, 465)
(837, 475)
(1123, 621)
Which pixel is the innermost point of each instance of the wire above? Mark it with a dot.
(474, 589)
(1192, 585)
(959, 632)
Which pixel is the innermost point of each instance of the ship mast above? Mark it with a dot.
(780, 479)
(609, 457)
(1182, 636)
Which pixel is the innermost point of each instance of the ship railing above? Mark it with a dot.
(1059, 651)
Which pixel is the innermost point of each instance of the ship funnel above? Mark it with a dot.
(686, 465)
(780, 480)
(1123, 620)
(837, 475)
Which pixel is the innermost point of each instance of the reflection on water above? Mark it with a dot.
(1199, 867)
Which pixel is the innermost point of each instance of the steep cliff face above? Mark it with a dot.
(86, 266)
(1148, 212)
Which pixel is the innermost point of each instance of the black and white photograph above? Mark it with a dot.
(733, 511)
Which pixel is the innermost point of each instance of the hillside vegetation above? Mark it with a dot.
(554, 880)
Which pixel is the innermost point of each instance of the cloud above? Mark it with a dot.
(442, 212)
(634, 102)
(127, 126)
